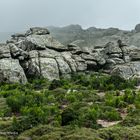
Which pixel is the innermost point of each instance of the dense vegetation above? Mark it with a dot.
(71, 108)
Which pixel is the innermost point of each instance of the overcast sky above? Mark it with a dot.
(17, 15)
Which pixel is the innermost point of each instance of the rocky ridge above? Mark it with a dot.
(37, 54)
(93, 36)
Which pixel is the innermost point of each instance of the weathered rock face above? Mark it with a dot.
(11, 71)
(37, 54)
(128, 70)
(37, 31)
(4, 51)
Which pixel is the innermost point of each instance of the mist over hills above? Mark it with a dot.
(93, 36)
(90, 37)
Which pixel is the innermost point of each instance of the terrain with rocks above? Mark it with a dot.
(70, 87)
(37, 54)
(93, 36)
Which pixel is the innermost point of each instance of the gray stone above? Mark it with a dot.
(72, 47)
(112, 48)
(127, 71)
(40, 55)
(101, 61)
(134, 53)
(49, 68)
(115, 55)
(42, 65)
(87, 56)
(70, 61)
(4, 51)
(38, 31)
(17, 52)
(17, 35)
(99, 58)
(123, 71)
(63, 66)
(81, 64)
(11, 71)
(127, 58)
(33, 54)
(37, 42)
(49, 53)
(91, 65)
(14, 50)
(40, 42)
(32, 67)
(110, 62)
(118, 60)
(77, 44)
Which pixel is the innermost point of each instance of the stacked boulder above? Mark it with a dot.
(37, 54)
(132, 68)
(10, 69)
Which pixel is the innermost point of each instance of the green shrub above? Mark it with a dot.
(68, 116)
(110, 114)
(130, 121)
(55, 84)
(16, 102)
(129, 96)
(36, 113)
(39, 83)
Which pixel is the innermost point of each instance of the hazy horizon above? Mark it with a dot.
(19, 15)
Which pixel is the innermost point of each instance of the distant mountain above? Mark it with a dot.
(90, 37)
(95, 36)
(66, 34)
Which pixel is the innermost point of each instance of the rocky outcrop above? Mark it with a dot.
(128, 70)
(137, 28)
(11, 71)
(37, 54)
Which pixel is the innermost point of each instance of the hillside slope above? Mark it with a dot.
(95, 36)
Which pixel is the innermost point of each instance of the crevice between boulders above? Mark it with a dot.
(39, 64)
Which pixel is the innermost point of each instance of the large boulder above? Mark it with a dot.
(70, 61)
(127, 71)
(38, 31)
(18, 53)
(42, 64)
(64, 68)
(49, 68)
(48, 53)
(4, 51)
(80, 63)
(134, 53)
(112, 48)
(11, 71)
(41, 42)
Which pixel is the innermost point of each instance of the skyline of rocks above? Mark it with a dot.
(36, 53)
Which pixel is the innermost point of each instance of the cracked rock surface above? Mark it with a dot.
(37, 54)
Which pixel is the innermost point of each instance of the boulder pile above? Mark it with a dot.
(37, 54)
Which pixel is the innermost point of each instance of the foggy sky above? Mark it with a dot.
(17, 15)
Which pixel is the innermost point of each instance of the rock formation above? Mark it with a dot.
(37, 54)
